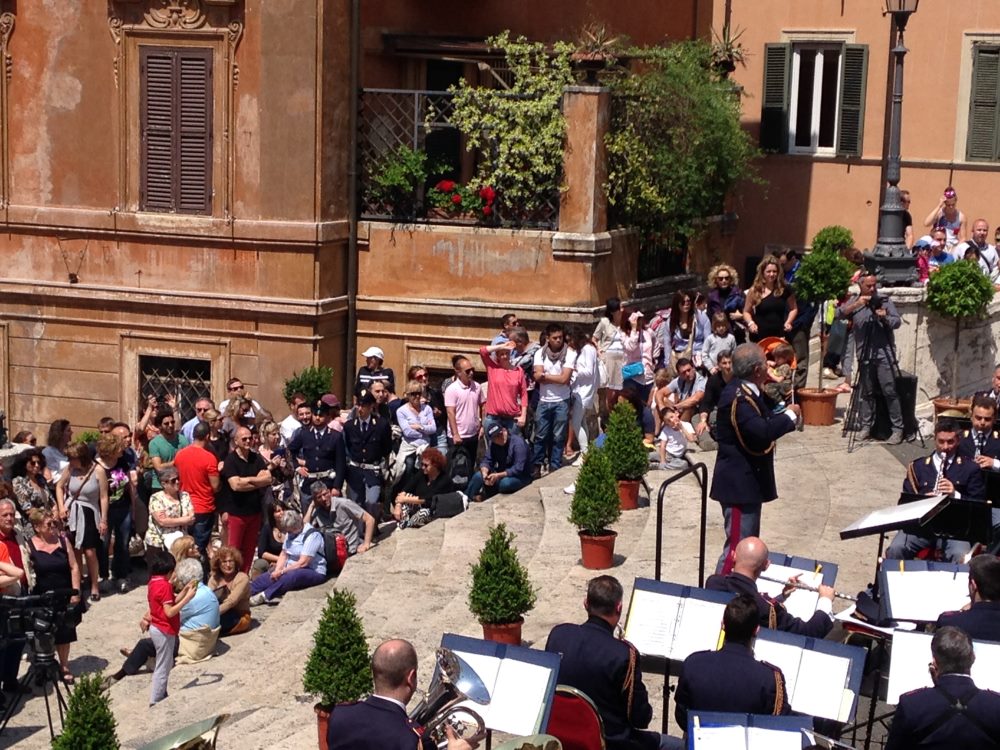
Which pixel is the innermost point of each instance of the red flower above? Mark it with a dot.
(456, 199)
(445, 186)
(488, 194)
(487, 210)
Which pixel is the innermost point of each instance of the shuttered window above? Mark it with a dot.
(814, 98)
(983, 105)
(176, 129)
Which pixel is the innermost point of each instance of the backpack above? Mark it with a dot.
(334, 550)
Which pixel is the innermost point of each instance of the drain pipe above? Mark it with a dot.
(352, 197)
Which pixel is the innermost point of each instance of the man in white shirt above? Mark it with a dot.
(552, 369)
(236, 389)
(988, 259)
(293, 421)
(200, 407)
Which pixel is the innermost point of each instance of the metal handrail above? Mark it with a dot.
(703, 481)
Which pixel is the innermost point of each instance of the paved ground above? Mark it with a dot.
(414, 584)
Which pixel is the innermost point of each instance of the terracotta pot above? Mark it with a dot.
(322, 723)
(962, 407)
(503, 632)
(818, 407)
(598, 552)
(628, 493)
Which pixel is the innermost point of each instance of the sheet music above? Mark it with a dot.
(847, 617)
(815, 681)
(911, 653)
(517, 692)
(897, 514)
(751, 738)
(773, 739)
(800, 603)
(671, 626)
(922, 595)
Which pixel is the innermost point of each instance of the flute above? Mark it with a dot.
(806, 587)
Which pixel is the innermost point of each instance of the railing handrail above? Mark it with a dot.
(424, 92)
(703, 481)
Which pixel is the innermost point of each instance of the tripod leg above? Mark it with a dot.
(18, 697)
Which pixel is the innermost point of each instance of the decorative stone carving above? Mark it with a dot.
(175, 14)
(6, 29)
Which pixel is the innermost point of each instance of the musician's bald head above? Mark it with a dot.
(751, 557)
(393, 663)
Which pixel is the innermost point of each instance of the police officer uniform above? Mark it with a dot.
(771, 613)
(375, 723)
(367, 445)
(972, 444)
(746, 430)
(729, 680)
(981, 621)
(921, 479)
(322, 448)
(607, 670)
(952, 714)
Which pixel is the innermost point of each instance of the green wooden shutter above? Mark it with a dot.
(774, 110)
(983, 105)
(853, 85)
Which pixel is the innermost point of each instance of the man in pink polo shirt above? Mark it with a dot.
(463, 400)
(507, 389)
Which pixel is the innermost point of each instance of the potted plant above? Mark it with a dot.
(311, 382)
(339, 666)
(396, 181)
(448, 198)
(823, 274)
(89, 723)
(958, 291)
(594, 508)
(727, 51)
(501, 592)
(627, 454)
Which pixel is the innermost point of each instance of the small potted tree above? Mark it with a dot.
(90, 723)
(501, 592)
(311, 382)
(823, 274)
(594, 508)
(959, 291)
(627, 454)
(339, 666)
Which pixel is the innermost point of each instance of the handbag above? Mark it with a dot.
(602, 373)
(448, 505)
(632, 371)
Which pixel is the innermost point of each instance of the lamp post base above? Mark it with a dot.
(893, 268)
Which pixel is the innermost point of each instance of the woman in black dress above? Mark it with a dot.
(410, 507)
(770, 308)
(55, 567)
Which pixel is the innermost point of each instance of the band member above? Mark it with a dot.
(943, 472)
(731, 679)
(981, 620)
(749, 564)
(368, 442)
(318, 449)
(982, 442)
(607, 669)
(954, 713)
(379, 722)
(746, 430)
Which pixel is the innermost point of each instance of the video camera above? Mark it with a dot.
(36, 618)
(876, 302)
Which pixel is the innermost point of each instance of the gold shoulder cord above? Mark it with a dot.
(912, 476)
(772, 616)
(629, 686)
(736, 427)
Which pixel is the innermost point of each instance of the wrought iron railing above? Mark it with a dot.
(420, 120)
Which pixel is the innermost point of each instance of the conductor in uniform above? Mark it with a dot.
(954, 713)
(368, 442)
(731, 679)
(607, 670)
(380, 722)
(746, 429)
(943, 472)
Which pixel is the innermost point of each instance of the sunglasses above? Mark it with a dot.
(35, 462)
(470, 371)
(414, 393)
(236, 387)
(720, 277)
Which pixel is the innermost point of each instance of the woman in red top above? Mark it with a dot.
(163, 621)
(506, 389)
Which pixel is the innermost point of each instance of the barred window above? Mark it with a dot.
(187, 379)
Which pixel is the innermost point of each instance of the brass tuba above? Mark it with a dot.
(454, 681)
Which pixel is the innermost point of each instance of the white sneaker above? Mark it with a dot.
(257, 599)
(569, 490)
(579, 461)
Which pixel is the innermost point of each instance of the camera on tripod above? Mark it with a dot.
(35, 618)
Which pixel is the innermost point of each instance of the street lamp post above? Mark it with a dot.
(891, 259)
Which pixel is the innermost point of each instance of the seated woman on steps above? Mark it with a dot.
(413, 505)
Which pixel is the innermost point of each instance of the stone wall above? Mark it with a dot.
(925, 346)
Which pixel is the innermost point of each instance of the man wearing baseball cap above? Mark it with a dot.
(505, 467)
(373, 372)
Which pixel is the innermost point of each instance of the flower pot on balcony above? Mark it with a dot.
(946, 407)
(818, 406)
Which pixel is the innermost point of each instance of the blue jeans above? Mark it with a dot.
(120, 525)
(551, 423)
(201, 530)
(506, 486)
(509, 422)
(291, 580)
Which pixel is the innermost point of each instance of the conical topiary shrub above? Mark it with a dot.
(501, 591)
(623, 446)
(339, 666)
(89, 723)
(594, 508)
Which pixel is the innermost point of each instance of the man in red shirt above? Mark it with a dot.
(198, 469)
